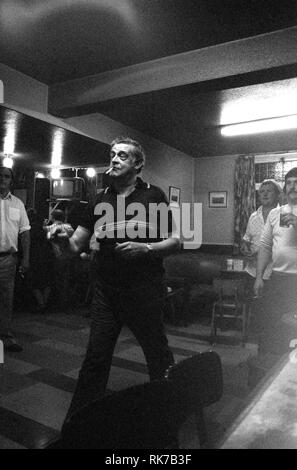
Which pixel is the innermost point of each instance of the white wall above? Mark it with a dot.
(24, 91)
(216, 174)
(165, 165)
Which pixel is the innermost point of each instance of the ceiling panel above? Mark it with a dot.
(33, 141)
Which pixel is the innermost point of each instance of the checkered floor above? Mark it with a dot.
(36, 385)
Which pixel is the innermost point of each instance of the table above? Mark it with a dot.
(270, 419)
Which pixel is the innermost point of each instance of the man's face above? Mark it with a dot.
(122, 161)
(268, 195)
(5, 180)
(291, 190)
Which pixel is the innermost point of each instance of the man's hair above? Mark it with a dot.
(9, 169)
(277, 187)
(137, 151)
(291, 174)
(59, 215)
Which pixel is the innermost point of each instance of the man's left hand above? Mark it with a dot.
(131, 249)
(24, 267)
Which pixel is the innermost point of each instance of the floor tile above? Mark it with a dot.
(24, 431)
(59, 381)
(42, 403)
(130, 365)
(11, 382)
(64, 347)
(45, 358)
(18, 366)
(121, 378)
(73, 374)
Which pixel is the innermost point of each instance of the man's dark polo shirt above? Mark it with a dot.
(110, 266)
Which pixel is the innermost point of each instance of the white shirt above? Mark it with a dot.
(253, 234)
(13, 222)
(282, 242)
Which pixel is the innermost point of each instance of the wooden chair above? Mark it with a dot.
(198, 383)
(231, 304)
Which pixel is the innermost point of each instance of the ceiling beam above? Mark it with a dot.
(263, 52)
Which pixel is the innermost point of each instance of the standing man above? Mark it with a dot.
(14, 225)
(279, 243)
(269, 196)
(128, 285)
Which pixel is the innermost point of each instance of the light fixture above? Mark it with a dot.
(91, 172)
(58, 140)
(261, 125)
(8, 162)
(39, 175)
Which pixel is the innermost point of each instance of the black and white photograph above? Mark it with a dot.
(174, 196)
(148, 227)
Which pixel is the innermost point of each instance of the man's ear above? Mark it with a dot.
(138, 165)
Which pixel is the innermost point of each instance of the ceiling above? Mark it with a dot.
(129, 59)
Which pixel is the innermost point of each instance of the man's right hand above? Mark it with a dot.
(258, 287)
(246, 250)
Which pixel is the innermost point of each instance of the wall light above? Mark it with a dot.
(91, 172)
(262, 125)
(8, 162)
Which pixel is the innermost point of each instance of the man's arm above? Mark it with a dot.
(158, 249)
(78, 241)
(25, 243)
(264, 258)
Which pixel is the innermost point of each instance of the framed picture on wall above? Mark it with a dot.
(218, 199)
(174, 196)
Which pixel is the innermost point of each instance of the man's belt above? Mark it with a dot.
(5, 253)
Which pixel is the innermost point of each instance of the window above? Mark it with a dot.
(274, 170)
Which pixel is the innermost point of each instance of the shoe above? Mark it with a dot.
(13, 347)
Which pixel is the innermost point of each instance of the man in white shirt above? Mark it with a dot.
(14, 225)
(269, 195)
(279, 242)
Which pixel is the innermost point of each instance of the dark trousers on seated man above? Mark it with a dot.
(141, 309)
(279, 299)
(8, 265)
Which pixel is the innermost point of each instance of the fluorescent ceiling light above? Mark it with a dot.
(262, 125)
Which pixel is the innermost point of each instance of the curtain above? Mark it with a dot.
(244, 197)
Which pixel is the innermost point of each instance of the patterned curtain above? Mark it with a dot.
(244, 197)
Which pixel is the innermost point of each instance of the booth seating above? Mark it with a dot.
(188, 274)
(149, 415)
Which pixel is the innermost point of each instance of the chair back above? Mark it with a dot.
(144, 416)
(197, 381)
(229, 288)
